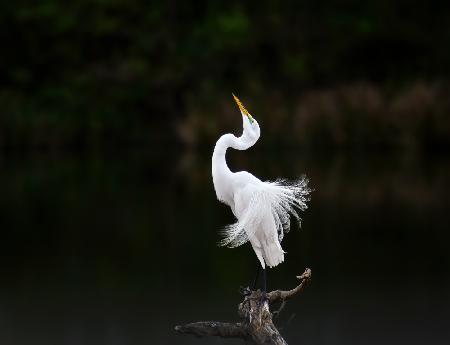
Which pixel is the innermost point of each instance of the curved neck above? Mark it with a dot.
(220, 171)
(219, 163)
(225, 141)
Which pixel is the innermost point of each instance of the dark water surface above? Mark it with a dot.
(119, 248)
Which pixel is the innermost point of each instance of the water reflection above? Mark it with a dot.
(118, 248)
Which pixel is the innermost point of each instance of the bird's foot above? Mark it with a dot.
(263, 299)
(245, 291)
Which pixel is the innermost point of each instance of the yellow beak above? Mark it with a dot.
(242, 108)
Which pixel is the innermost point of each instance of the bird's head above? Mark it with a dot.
(251, 127)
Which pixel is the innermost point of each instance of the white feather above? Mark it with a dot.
(278, 200)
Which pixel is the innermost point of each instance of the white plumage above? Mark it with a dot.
(262, 209)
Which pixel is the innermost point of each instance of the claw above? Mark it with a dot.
(245, 291)
(263, 299)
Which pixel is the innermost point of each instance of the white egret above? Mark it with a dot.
(262, 208)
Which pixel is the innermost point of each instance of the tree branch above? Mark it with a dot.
(280, 295)
(212, 328)
(256, 326)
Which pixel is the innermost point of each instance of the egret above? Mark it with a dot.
(262, 208)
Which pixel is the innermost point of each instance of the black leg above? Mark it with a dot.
(264, 290)
(264, 281)
(258, 268)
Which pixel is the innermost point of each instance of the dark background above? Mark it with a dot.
(109, 114)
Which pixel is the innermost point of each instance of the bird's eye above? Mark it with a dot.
(250, 119)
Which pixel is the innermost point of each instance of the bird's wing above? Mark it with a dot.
(256, 201)
(245, 200)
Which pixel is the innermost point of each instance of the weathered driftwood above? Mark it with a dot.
(256, 325)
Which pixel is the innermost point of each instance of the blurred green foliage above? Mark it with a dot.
(132, 72)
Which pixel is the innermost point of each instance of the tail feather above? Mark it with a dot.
(273, 254)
